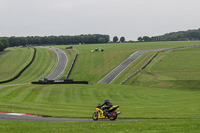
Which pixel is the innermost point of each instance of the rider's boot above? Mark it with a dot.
(105, 113)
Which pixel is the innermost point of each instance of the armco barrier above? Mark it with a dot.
(152, 59)
(60, 82)
(6, 81)
(69, 72)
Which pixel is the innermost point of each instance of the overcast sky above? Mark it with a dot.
(128, 18)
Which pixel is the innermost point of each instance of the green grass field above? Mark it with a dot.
(167, 89)
(45, 62)
(181, 64)
(79, 101)
(149, 126)
(177, 69)
(94, 66)
(14, 61)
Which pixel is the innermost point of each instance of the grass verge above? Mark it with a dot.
(150, 126)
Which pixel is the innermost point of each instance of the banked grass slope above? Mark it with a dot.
(79, 101)
(44, 63)
(94, 66)
(12, 62)
(172, 69)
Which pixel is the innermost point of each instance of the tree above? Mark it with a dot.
(5, 42)
(101, 40)
(140, 39)
(122, 39)
(1, 46)
(146, 38)
(115, 39)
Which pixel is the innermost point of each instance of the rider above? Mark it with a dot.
(108, 105)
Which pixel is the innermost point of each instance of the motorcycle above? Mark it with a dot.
(108, 114)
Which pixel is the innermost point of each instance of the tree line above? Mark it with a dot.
(58, 40)
(3, 44)
(174, 36)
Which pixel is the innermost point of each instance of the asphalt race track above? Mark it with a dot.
(30, 118)
(114, 73)
(12, 85)
(62, 63)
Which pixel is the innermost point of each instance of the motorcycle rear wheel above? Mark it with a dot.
(113, 116)
(95, 116)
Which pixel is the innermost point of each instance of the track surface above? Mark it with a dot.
(12, 85)
(30, 118)
(114, 73)
(62, 63)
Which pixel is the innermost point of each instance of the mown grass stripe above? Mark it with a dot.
(22, 95)
(31, 97)
(54, 95)
(12, 62)
(41, 67)
(43, 95)
(62, 96)
(24, 67)
(14, 93)
(7, 92)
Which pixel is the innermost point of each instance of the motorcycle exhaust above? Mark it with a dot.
(118, 112)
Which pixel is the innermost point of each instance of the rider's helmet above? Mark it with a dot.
(106, 100)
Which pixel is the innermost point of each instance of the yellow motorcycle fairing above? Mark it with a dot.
(100, 112)
(114, 107)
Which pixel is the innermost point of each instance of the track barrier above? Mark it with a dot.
(68, 81)
(69, 72)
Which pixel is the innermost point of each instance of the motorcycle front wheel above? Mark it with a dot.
(95, 116)
(113, 116)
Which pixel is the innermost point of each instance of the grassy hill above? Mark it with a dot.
(181, 64)
(94, 66)
(44, 64)
(136, 102)
(164, 90)
(177, 69)
(12, 62)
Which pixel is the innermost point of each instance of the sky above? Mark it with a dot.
(128, 18)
